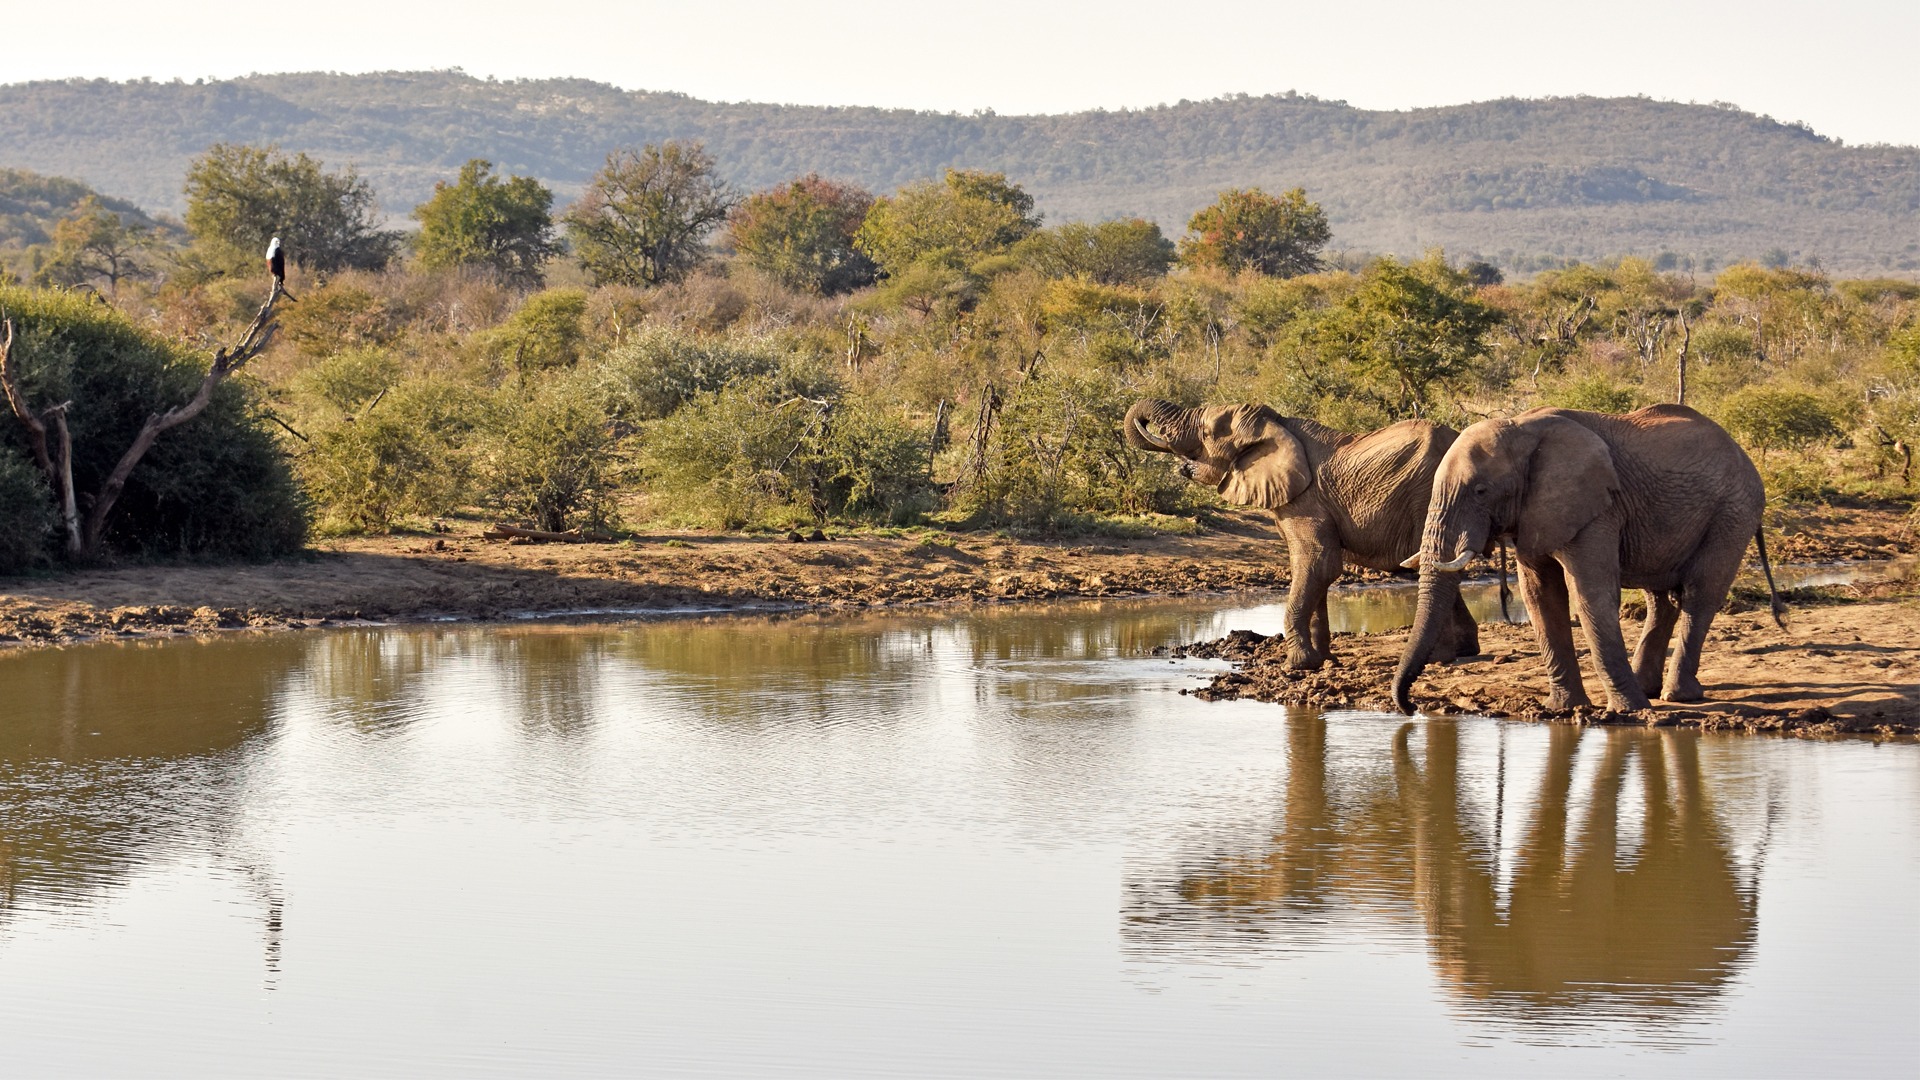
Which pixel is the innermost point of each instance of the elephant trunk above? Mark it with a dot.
(1440, 569)
(1438, 589)
(1176, 431)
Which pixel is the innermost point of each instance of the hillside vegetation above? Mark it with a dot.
(1524, 184)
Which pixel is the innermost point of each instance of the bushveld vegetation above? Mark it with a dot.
(686, 354)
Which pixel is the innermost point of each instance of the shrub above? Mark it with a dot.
(1769, 418)
(547, 332)
(349, 380)
(783, 447)
(658, 370)
(550, 457)
(219, 485)
(26, 514)
(407, 455)
(1594, 392)
(1056, 458)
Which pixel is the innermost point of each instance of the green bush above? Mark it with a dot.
(1056, 457)
(26, 514)
(219, 485)
(349, 380)
(1594, 392)
(782, 448)
(548, 331)
(407, 455)
(658, 370)
(551, 457)
(1772, 418)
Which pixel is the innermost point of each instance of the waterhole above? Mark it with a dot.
(991, 843)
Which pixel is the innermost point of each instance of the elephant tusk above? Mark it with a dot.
(1140, 428)
(1412, 563)
(1455, 564)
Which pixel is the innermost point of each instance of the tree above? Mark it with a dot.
(643, 218)
(1412, 324)
(91, 391)
(94, 242)
(480, 220)
(965, 217)
(239, 197)
(1248, 229)
(801, 234)
(1122, 252)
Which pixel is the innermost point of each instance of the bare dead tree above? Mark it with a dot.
(1686, 346)
(83, 535)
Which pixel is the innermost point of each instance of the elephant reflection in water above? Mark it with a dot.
(1662, 926)
(1584, 922)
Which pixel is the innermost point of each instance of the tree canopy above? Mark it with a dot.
(967, 215)
(482, 220)
(643, 219)
(95, 243)
(801, 234)
(1119, 252)
(240, 196)
(1248, 229)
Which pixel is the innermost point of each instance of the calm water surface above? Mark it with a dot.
(996, 843)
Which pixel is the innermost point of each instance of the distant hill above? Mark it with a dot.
(30, 204)
(1516, 181)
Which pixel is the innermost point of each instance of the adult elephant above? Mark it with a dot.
(1661, 499)
(1334, 495)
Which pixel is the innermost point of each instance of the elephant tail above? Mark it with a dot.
(1779, 608)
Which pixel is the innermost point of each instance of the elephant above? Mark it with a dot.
(1334, 495)
(1661, 499)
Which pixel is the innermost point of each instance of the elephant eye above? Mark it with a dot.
(1479, 489)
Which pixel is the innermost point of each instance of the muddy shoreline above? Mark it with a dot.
(1849, 641)
(1847, 662)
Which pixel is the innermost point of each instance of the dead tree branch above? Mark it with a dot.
(83, 537)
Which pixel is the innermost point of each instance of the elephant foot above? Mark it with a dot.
(1684, 690)
(1649, 683)
(1305, 659)
(1560, 698)
(1633, 701)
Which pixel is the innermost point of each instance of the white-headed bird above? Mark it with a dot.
(277, 262)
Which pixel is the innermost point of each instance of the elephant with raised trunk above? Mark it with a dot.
(1661, 499)
(1334, 495)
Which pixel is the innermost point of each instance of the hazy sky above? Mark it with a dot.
(1844, 66)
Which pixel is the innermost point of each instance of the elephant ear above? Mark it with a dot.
(1271, 469)
(1570, 482)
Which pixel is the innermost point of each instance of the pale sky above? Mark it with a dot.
(1847, 67)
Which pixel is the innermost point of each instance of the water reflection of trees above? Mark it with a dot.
(1571, 922)
(109, 753)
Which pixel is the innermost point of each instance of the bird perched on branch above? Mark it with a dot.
(277, 265)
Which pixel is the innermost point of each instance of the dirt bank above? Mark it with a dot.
(1848, 661)
(462, 575)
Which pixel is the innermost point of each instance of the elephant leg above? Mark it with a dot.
(1701, 598)
(1596, 583)
(1462, 635)
(1466, 629)
(1650, 656)
(1323, 628)
(1315, 563)
(1543, 587)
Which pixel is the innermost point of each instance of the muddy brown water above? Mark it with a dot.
(996, 843)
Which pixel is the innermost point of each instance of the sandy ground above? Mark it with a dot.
(461, 575)
(1855, 660)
